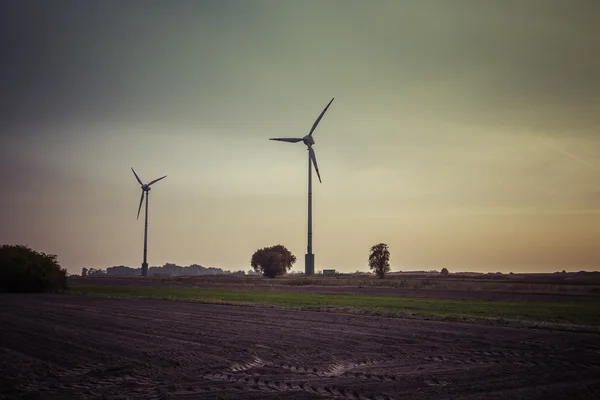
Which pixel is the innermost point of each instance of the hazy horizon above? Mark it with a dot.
(463, 134)
(297, 270)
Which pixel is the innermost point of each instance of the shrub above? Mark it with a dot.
(25, 270)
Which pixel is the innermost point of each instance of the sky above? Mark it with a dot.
(464, 134)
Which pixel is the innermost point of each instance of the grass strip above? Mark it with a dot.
(423, 308)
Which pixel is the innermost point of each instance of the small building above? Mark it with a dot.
(329, 272)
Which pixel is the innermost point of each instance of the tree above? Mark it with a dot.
(272, 261)
(379, 259)
(444, 272)
(25, 270)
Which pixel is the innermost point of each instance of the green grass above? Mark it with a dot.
(425, 308)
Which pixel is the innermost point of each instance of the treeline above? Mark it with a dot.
(25, 270)
(166, 270)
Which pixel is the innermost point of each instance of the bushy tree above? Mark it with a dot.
(272, 261)
(25, 270)
(444, 272)
(379, 259)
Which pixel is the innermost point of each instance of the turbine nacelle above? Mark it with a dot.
(308, 140)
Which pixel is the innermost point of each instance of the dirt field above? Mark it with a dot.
(78, 347)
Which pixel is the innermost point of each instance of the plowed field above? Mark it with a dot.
(79, 347)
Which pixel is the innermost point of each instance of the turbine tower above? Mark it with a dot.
(145, 189)
(309, 258)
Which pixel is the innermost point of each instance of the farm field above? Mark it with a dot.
(538, 306)
(571, 316)
(436, 288)
(86, 347)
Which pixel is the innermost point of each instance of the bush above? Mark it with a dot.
(25, 270)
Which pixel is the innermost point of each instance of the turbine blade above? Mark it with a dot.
(313, 157)
(319, 119)
(140, 207)
(156, 180)
(291, 140)
(136, 176)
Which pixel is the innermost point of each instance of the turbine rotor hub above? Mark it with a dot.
(308, 140)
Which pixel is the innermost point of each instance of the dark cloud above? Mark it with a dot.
(503, 63)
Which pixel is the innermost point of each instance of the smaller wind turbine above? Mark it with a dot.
(309, 141)
(145, 189)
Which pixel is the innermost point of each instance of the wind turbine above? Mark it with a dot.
(309, 257)
(145, 189)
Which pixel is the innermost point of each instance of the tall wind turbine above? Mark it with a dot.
(145, 189)
(309, 258)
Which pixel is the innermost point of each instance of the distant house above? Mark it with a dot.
(329, 272)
